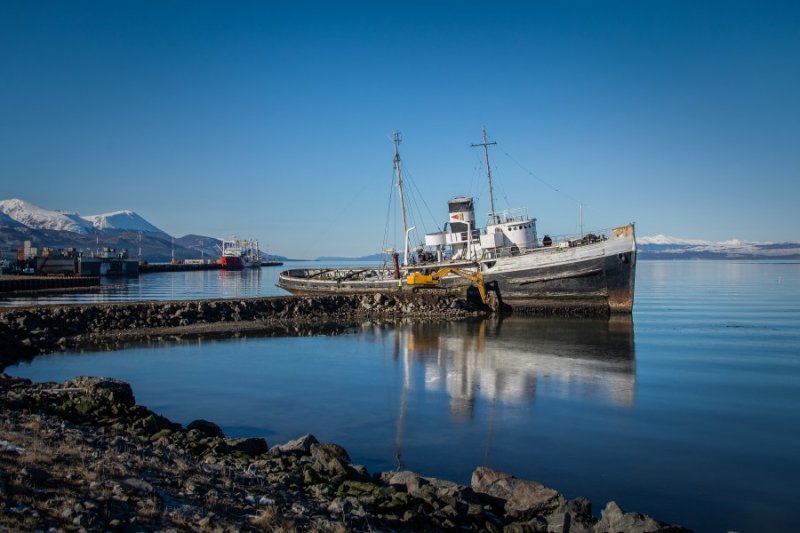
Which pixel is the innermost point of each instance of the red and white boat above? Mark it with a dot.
(240, 254)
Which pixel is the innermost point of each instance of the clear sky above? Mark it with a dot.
(272, 120)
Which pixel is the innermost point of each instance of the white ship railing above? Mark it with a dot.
(518, 214)
(558, 242)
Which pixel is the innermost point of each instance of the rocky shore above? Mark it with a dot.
(82, 455)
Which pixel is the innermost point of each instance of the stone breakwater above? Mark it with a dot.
(82, 455)
(29, 331)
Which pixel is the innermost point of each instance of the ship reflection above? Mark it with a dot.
(245, 282)
(512, 360)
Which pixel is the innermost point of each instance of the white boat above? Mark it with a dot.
(593, 273)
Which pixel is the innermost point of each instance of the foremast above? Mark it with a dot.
(399, 172)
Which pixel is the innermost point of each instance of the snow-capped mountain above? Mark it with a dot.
(39, 218)
(665, 247)
(661, 239)
(121, 221)
(6, 220)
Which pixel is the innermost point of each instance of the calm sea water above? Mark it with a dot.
(688, 412)
(173, 286)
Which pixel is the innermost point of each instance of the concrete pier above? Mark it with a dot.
(12, 283)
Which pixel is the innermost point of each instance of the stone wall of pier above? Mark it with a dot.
(28, 331)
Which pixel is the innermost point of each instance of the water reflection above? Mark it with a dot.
(247, 283)
(510, 361)
(507, 360)
(393, 394)
(239, 283)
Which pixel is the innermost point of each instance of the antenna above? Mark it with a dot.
(488, 171)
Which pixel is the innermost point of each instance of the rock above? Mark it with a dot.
(444, 486)
(580, 506)
(614, 520)
(248, 446)
(405, 480)
(521, 498)
(300, 446)
(151, 424)
(113, 390)
(574, 516)
(35, 475)
(535, 525)
(361, 489)
(210, 429)
(137, 485)
(162, 436)
(7, 447)
(330, 458)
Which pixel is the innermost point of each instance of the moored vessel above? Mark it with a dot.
(587, 274)
(240, 254)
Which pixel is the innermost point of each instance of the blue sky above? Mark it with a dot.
(273, 120)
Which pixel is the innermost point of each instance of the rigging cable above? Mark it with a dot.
(537, 177)
(417, 195)
(581, 205)
(389, 212)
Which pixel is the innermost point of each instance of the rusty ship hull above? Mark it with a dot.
(597, 278)
(590, 279)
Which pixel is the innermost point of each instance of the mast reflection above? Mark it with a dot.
(511, 360)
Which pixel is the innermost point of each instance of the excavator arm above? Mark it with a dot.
(432, 280)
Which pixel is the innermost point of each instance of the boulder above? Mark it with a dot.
(520, 498)
(137, 485)
(112, 390)
(614, 520)
(248, 446)
(452, 493)
(301, 446)
(330, 458)
(405, 480)
(210, 429)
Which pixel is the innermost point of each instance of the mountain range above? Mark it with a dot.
(21, 221)
(48, 228)
(665, 247)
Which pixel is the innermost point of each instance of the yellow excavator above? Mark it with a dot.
(417, 280)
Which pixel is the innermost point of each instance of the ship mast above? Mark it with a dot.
(399, 172)
(488, 172)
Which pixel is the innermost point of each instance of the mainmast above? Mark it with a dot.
(488, 172)
(399, 172)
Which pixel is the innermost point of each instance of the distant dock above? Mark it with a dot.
(148, 268)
